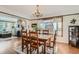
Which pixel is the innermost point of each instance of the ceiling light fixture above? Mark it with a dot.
(37, 13)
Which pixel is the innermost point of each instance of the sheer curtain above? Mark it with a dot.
(58, 25)
(52, 25)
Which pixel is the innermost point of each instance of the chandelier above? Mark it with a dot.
(37, 13)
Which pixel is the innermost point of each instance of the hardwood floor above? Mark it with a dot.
(64, 48)
(8, 47)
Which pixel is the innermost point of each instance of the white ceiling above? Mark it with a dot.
(47, 10)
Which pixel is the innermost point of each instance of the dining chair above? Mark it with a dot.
(34, 44)
(46, 32)
(25, 41)
(53, 43)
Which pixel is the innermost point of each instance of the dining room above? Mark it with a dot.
(39, 29)
(42, 29)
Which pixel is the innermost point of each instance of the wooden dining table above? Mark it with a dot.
(43, 38)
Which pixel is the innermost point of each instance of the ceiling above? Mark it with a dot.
(47, 10)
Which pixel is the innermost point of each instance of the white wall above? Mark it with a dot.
(66, 23)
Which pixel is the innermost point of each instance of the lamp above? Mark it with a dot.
(37, 13)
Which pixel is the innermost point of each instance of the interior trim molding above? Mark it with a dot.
(41, 18)
(12, 15)
(7, 21)
(62, 26)
(51, 17)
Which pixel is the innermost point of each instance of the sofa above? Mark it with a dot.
(5, 34)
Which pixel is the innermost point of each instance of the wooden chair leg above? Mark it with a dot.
(22, 46)
(27, 48)
(38, 51)
(53, 50)
(42, 49)
(49, 42)
(30, 50)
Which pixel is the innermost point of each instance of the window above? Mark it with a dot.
(52, 25)
(6, 26)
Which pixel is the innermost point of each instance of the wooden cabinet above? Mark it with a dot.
(73, 33)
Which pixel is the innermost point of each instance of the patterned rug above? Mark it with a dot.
(48, 50)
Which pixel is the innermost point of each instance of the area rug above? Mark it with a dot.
(48, 50)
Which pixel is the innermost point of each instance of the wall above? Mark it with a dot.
(59, 38)
(66, 23)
